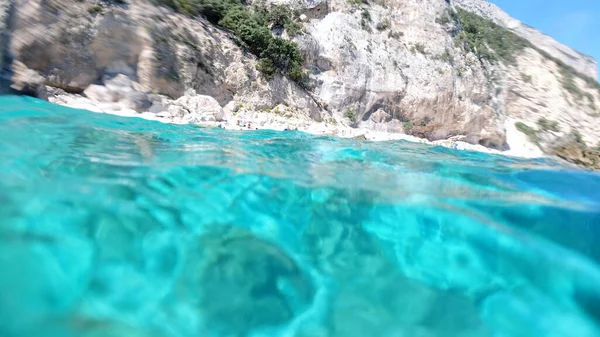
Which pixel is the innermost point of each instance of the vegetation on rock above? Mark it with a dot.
(94, 9)
(447, 17)
(578, 138)
(569, 71)
(395, 35)
(445, 56)
(492, 42)
(357, 2)
(530, 132)
(365, 21)
(383, 24)
(418, 47)
(486, 39)
(279, 17)
(548, 125)
(568, 81)
(351, 115)
(252, 29)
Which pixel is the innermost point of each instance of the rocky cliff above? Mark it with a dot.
(583, 64)
(429, 68)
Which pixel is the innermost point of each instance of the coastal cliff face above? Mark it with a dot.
(429, 68)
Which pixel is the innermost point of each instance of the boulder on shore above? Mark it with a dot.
(197, 108)
(119, 89)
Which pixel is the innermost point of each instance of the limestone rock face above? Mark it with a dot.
(26, 81)
(73, 44)
(67, 45)
(390, 65)
(5, 9)
(99, 93)
(396, 56)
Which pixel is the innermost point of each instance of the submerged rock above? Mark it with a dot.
(245, 283)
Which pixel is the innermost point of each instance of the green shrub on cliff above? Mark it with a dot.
(357, 2)
(568, 78)
(530, 132)
(383, 25)
(486, 39)
(578, 137)
(278, 17)
(351, 115)
(548, 125)
(444, 19)
(94, 9)
(183, 6)
(283, 55)
(252, 30)
(214, 10)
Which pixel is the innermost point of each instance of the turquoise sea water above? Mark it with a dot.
(116, 227)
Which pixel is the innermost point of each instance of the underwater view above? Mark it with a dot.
(123, 227)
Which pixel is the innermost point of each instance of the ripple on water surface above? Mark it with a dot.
(115, 227)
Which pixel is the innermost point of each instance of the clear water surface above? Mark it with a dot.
(115, 227)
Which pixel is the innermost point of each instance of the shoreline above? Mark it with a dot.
(259, 120)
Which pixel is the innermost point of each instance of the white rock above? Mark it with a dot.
(230, 108)
(120, 83)
(200, 108)
(380, 116)
(119, 89)
(177, 111)
(100, 93)
(136, 100)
